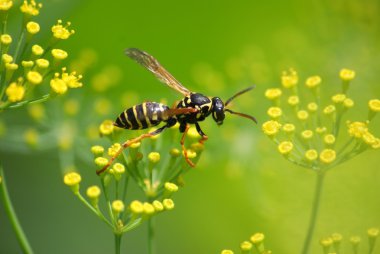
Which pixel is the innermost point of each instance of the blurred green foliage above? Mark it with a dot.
(241, 185)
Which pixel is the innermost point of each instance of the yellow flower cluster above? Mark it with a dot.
(306, 132)
(23, 69)
(254, 245)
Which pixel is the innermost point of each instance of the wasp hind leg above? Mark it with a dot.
(185, 128)
(130, 142)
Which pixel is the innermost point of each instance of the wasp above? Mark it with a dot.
(192, 109)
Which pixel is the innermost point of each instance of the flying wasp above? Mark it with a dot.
(192, 109)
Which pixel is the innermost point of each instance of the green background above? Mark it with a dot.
(241, 184)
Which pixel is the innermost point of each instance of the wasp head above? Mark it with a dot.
(218, 110)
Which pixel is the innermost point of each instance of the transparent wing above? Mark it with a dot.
(151, 64)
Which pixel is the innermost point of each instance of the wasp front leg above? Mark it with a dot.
(184, 127)
(200, 132)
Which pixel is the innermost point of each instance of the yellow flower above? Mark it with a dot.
(97, 150)
(58, 86)
(313, 81)
(327, 156)
(158, 206)
(117, 206)
(32, 8)
(42, 63)
(302, 115)
(368, 138)
(191, 154)
(168, 204)
(15, 92)
(37, 50)
(32, 27)
(273, 93)
(101, 161)
(59, 54)
(171, 187)
(106, 128)
(60, 31)
(329, 139)
(271, 127)
(307, 134)
(227, 252)
(326, 242)
(329, 110)
(355, 240)
(336, 237)
(274, 112)
(320, 130)
(34, 77)
(311, 155)
(348, 103)
(357, 129)
(136, 207)
(246, 246)
(118, 168)
(114, 149)
(285, 147)
(5, 39)
(93, 192)
(347, 75)
(71, 79)
(6, 58)
(11, 66)
(338, 98)
(293, 100)
(27, 64)
(154, 157)
(72, 178)
(376, 144)
(257, 238)
(5, 5)
(289, 128)
(373, 232)
(175, 152)
(312, 107)
(374, 105)
(148, 208)
(289, 79)
(192, 133)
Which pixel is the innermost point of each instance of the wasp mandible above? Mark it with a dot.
(193, 108)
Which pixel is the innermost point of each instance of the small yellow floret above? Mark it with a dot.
(106, 127)
(171, 187)
(97, 150)
(6, 58)
(289, 128)
(58, 86)
(191, 154)
(193, 133)
(135, 145)
(32, 8)
(347, 75)
(154, 157)
(336, 237)
(118, 168)
(285, 147)
(329, 139)
(11, 66)
(357, 129)
(62, 32)
(320, 130)
(302, 115)
(246, 246)
(227, 252)
(136, 207)
(289, 79)
(271, 127)
(5, 39)
(373, 232)
(37, 50)
(5, 5)
(175, 152)
(374, 105)
(257, 238)
(311, 155)
(369, 138)
(348, 103)
(312, 107)
(27, 64)
(338, 98)
(329, 110)
(32, 27)
(326, 242)
(117, 206)
(307, 134)
(293, 100)
(274, 112)
(355, 240)
(114, 149)
(101, 161)
(34, 77)
(72, 178)
(59, 54)
(15, 92)
(313, 81)
(158, 206)
(327, 156)
(273, 93)
(93, 192)
(148, 208)
(72, 79)
(42, 63)
(168, 204)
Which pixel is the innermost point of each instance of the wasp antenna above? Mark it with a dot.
(239, 93)
(241, 114)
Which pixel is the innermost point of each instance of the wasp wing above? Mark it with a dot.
(151, 64)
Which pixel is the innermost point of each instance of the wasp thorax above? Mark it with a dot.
(218, 110)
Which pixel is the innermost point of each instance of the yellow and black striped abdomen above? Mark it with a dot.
(142, 116)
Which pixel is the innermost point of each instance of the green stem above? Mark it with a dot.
(94, 210)
(151, 236)
(314, 212)
(117, 243)
(21, 237)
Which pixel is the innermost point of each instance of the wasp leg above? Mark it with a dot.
(204, 136)
(130, 142)
(187, 126)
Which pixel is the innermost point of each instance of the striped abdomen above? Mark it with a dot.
(142, 116)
